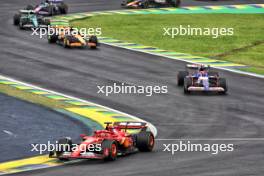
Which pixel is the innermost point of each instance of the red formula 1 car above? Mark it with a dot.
(200, 78)
(107, 144)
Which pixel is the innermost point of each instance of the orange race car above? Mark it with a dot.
(68, 38)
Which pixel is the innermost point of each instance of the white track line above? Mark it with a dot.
(151, 126)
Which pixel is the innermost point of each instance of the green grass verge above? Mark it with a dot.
(33, 98)
(148, 30)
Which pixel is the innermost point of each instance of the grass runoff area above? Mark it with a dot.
(243, 44)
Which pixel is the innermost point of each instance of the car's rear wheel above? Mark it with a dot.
(50, 10)
(145, 141)
(145, 4)
(93, 39)
(66, 43)
(180, 77)
(109, 148)
(21, 25)
(52, 38)
(187, 84)
(174, 3)
(177, 3)
(63, 8)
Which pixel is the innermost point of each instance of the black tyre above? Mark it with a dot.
(174, 3)
(93, 39)
(177, 3)
(145, 141)
(16, 19)
(109, 149)
(223, 84)
(187, 84)
(65, 42)
(65, 146)
(46, 21)
(145, 4)
(63, 8)
(21, 25)
(51, 10)
(180, 77)
(52, 38)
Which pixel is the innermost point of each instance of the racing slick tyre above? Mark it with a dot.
(52, 38)
(223, 84)
(46, 21)
(63, 8)
(145, 4)
(16, 19)
(177, 3)
(50, 11)
(180, 77)
(65, 145)
(187, 84)
(145, 141)
(93, 39)
(66, 43)
(21, 25)
(174, 3)
(109, 148)
(67, 142)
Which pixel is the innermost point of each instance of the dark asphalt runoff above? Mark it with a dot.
(23, 124)
(77, 72)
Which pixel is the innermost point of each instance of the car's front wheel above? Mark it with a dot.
(64, 145)
(223, 84)
(109, 148)
(187, 84)
(180, 77)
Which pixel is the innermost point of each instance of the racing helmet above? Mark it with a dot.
(202, 68)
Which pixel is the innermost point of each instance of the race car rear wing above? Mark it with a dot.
(27, 11)
(130, 125)
(196, 66)
(55, 1)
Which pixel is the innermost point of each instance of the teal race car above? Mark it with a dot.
(29, 19)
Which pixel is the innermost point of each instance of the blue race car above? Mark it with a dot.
(201, 78)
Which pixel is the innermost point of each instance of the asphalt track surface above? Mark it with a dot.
(77, 72)
(23, 124)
